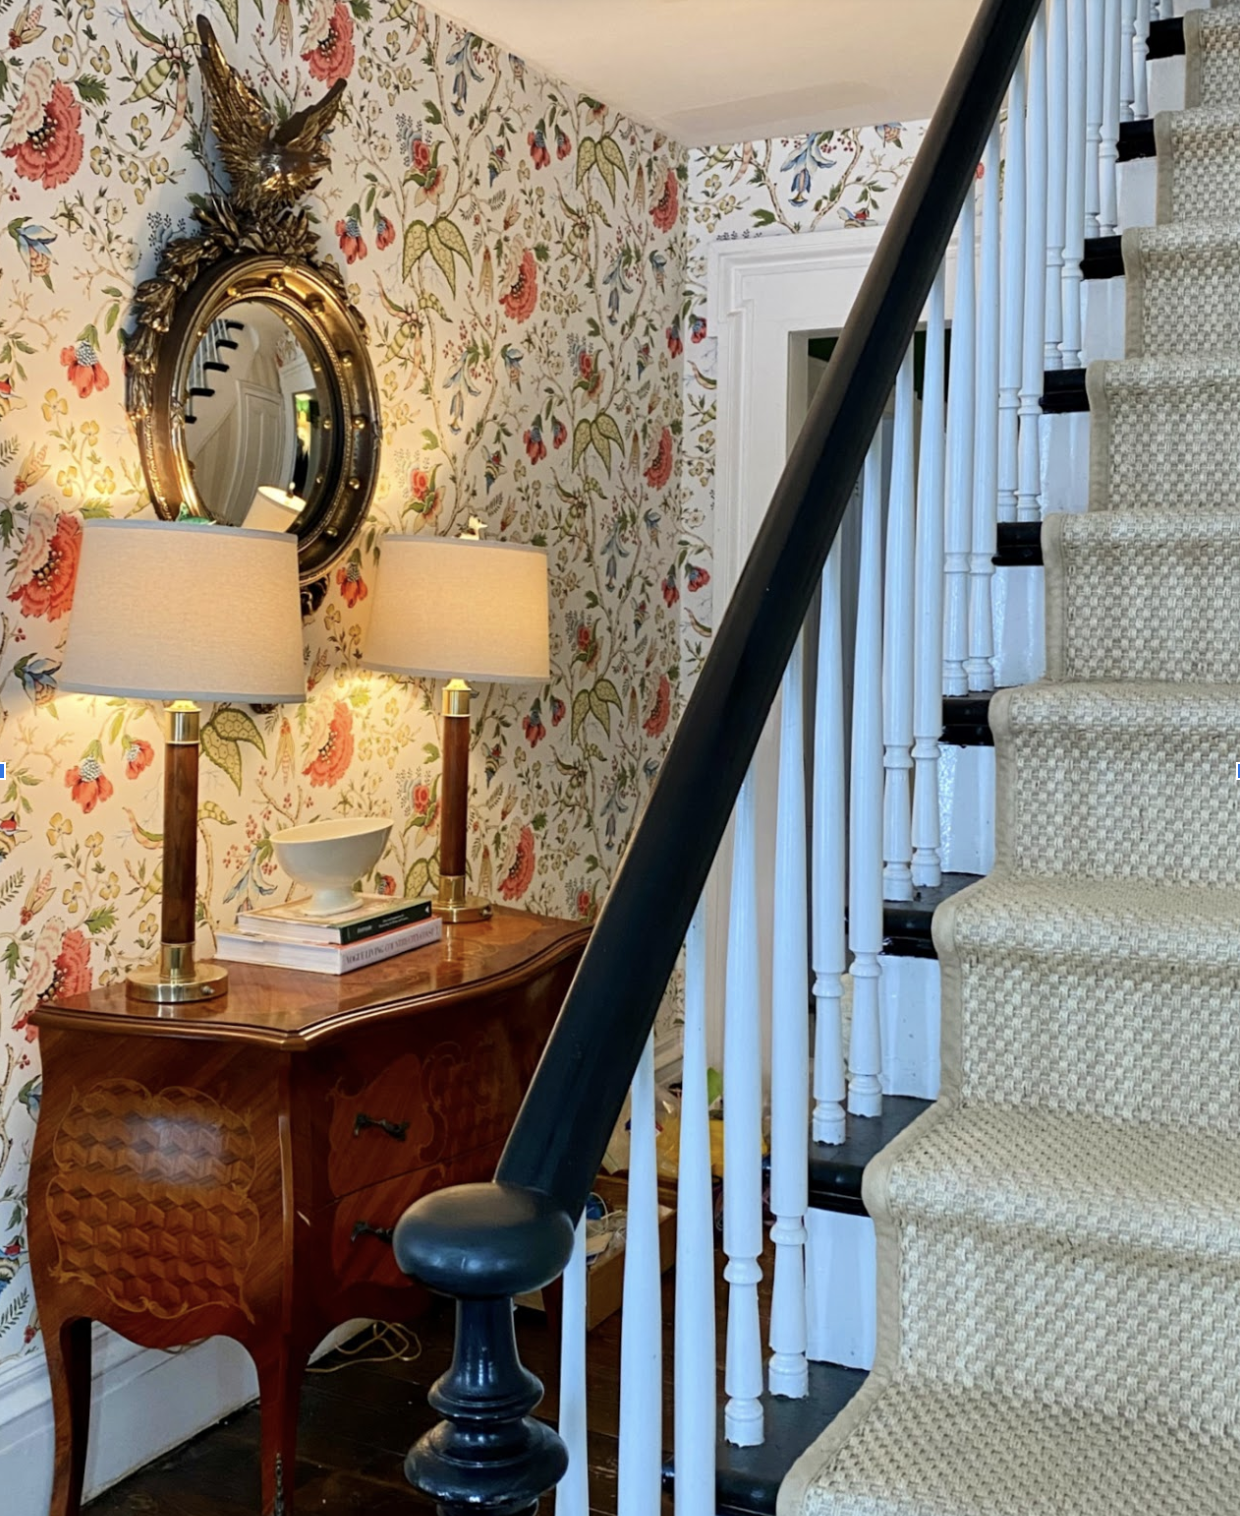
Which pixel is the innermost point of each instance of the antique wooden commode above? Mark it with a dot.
(237, 1167)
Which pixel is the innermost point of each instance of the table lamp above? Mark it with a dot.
(182, 612)
(456, 608)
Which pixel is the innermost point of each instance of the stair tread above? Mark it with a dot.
(835, 1170)
(1166, 39)
(1136, 140)
(906, 923)
(747, 1480)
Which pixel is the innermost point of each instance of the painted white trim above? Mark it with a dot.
(143, 1404)
(762, 293)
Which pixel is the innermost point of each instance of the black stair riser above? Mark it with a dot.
(906, 923)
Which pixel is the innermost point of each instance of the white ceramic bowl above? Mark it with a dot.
(328, 857)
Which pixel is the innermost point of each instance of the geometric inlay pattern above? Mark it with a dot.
(151, 1200)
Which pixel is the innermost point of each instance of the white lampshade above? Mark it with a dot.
(272, 510)
(455, 608)
(168, 610)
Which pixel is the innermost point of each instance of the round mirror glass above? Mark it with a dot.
(260, 426)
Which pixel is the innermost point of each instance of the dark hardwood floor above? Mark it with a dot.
(357, 1424)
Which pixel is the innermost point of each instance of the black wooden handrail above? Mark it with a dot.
(482, 1242)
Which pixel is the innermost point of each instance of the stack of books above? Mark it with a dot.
(284, 937)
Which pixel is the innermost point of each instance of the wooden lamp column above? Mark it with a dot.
(459, 609)
(181, 612)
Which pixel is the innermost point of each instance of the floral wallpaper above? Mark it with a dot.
(825, 181)
(518, 250)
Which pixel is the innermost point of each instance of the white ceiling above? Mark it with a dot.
(718, 71)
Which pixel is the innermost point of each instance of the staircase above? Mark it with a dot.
(1051, 1248)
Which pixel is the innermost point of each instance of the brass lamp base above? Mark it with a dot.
(455, 905)
(174, 978)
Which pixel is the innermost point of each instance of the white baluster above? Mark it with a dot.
(898, 647)
(1056, 176)
(1127, 60)
(1140, 62)
(640, 1470)
(789, 1367)
(928, 643)
(961, 425)
(1108, 153)
(572, 1495)
(1074, 222)
(1095, 53)
(979, 666)
(1013, 295)
(1029, 487)
(865, 807)
(830, 844)
(742, 1162)
(694, 1393)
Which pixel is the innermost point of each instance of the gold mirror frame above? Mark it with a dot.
(256, 245)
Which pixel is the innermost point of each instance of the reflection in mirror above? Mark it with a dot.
(258, 419)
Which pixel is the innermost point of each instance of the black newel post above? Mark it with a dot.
(482, 1244)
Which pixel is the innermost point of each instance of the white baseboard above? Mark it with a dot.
(144, 1403)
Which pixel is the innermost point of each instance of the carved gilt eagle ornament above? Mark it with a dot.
(270, 164)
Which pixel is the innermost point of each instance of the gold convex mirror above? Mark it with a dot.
(250, 383)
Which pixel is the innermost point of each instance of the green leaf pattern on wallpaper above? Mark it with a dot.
(518, 251)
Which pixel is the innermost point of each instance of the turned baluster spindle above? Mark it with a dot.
(898, 646)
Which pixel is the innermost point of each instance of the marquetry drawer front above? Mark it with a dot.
(362, 1223)
(416, 1108)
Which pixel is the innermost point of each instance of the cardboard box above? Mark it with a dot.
(605, 1279)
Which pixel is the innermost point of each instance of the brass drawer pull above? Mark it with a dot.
(396, 1130)
(364, 1229)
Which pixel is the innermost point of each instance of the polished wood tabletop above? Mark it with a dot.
(292, 1010)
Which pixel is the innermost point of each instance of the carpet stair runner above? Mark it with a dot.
(1059, 1236)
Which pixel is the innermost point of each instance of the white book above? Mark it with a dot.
(325, 958)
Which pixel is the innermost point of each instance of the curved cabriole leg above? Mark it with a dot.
(68, 1366)
(483, 1244)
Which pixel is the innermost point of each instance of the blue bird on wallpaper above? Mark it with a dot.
(804, 161)
(658, 262)
(615, 280)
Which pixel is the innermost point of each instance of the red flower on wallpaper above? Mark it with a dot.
(532, 724)
(59, 965)
(666, 210)
(535, 447)
(331, 762)
(385, 884)
(352, 243)
(537, 140)
(563, 144)
(675, 342)
(696, 578)
(139, 756)
(671, 590)
(660, 468)
(90, 785)
(426, 496)
(656, 723)
(521, 299)
(330, 35)
(349, 578)
(585, 904)
(45, 135)
(385, 232)
(521, 871)
(86, 373)
(46, 567)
